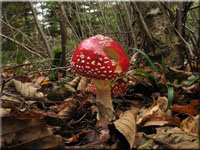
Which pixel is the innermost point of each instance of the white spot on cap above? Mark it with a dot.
(99, 64)
(78, 60)
(93, 62)
(87, 67)
(100, 59)
(108, 67)
(110, 71)
(104, 71)
(102, 67)
(82, 56)
(105, 57)
(106, 62)
(88, 58)
(96, 53)
(82, 61)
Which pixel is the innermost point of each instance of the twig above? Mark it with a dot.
(117, 32)
(12, 95)
(25, 35)
(33, 72)
(189, 48)
(194, 7)
(144, 25)
(21, 45)
(169, 11)
(20, 65)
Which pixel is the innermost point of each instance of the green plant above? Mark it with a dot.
(149, 77)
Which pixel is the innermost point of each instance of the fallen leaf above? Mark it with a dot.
(102, 129)
(191, 125)
(40, 79)
(82, 84)
(23, 78)
(45, 83)
(68, 109)
(28, 89)
(174, 138)
(75, 137)
(74, 82)
(155, 115)
(126, 125)
(187, 109)
(28, 133)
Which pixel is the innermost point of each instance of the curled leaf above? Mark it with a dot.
(126, 125)
(28, 89)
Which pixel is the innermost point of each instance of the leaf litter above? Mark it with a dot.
(65, 116)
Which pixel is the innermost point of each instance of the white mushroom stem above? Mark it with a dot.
(104, 101)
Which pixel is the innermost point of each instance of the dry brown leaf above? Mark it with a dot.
(187, 109)
(174, 138)
(191, 125)
(69, 109)
(27, 133)
(28, 89)
(74, 82)
(82, 84)
(11, 99)
(154, 115)
(146, 114)
(75, 138)
(102, 129)
(40, 79)
(126, 125)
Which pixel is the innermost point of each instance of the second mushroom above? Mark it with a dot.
(101, 59)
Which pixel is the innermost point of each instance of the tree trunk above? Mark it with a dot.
(160, 34)
(40, 30)
(63, 35)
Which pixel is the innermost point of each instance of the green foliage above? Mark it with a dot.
(150, 78)
(194, 80)
(148, 59)
(170, 97)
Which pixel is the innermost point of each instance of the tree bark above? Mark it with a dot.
(41, 31)
(164, 40)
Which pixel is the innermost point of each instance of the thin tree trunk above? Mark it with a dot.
(131, 27)
(63, 35)
(179, 17)
(41, 31)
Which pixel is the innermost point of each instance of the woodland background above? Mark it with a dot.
(39, 38)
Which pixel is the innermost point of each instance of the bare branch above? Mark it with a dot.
(4, 36)
(40, 30)
(25, 35)
(144, 26)
(186, 43)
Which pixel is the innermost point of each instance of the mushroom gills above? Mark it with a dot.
(113, 55)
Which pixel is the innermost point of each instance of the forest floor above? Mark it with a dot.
(41, 114)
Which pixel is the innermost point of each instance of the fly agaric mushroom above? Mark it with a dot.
(118, 88)
(101, 59)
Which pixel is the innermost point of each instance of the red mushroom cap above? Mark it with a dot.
(100, 57)
(118, 88)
